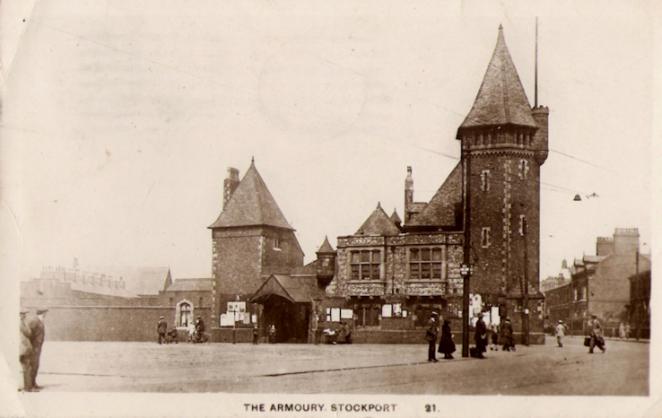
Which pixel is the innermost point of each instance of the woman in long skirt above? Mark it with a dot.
(446, 343)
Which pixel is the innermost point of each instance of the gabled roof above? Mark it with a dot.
(294, 289)
(326, 247)
(191, 285)
(251, 204)
(501, 98)
(378, 223)
(441, 209)
(149, 280)
(395, 217)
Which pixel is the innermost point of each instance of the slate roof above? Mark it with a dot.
(148, 280)
(326, 247)
(308, 269)
(378, 223)
(441, 209)
(501, 98)
(251, 204)
(395, 217)
(191, 285)
(294, 289)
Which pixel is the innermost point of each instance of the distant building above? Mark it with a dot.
(601, 284)
(97, 306)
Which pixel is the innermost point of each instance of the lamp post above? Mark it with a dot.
(465, 269)
(525, 302)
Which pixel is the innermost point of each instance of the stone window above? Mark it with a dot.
(485, 241)
(365, 264)
(523, 168)
(522, 224)
(426, 263)
(485, 180)
(184, 314)
(276, 243)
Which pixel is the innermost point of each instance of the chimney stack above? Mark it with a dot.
(230, 184)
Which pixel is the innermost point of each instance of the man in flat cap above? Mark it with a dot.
(161, 328)
(431, 336)
(25, 351)
(37, 329)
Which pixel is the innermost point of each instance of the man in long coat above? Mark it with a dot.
(507, 335)
(37, 329)
(446, 343)
(431, 336)
(25, 352)
(480, 337)
(161, 328)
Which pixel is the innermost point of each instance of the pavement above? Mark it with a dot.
(351, 369)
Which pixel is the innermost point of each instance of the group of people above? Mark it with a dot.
(482, 334)
(195, 329)
(446, 343)
(32, 332)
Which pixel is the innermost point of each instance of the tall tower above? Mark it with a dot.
(506, 142)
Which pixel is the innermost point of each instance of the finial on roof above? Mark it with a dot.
(252, 160)
(379, 205)
(500, 26)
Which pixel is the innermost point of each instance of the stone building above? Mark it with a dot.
(601, 284)
(386, 278)
(391, 273)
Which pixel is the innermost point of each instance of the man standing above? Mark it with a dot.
(37, 333)
(480, 337)
(25, 352)
(431, 337)
(507, 335)
(596, 336)
(560, 333)
(161, 328)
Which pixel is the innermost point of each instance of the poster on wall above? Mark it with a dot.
(227, 320)
(236, 306)
(346, 314)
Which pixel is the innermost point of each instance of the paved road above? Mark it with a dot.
(393, 369)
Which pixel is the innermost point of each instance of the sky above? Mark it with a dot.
(121, 118)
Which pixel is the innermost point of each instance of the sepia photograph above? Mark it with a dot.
(288, 208)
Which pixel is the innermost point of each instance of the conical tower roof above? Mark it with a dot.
(251, 204)
(501, 98)
(378, 223)
(326, 247)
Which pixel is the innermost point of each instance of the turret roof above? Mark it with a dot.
(251, 204)
(501, 98)
(378, 223)
(326, 247)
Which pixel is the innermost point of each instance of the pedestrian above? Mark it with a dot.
(494, 331)
(431, 337)
(191, 331)
(621, 331)
(272, 333)
(507, 335)
(446, 343)
(25, 352)
(200, 336)
(627, 331)
(560, 333)
(37, 333)
(161, 328)
(480, 337)
(256, 333)
(597, 337)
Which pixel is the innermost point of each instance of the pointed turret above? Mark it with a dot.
(326, 263)
(378, 223)
(251, 204)
(501, 99)
(396, 218)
